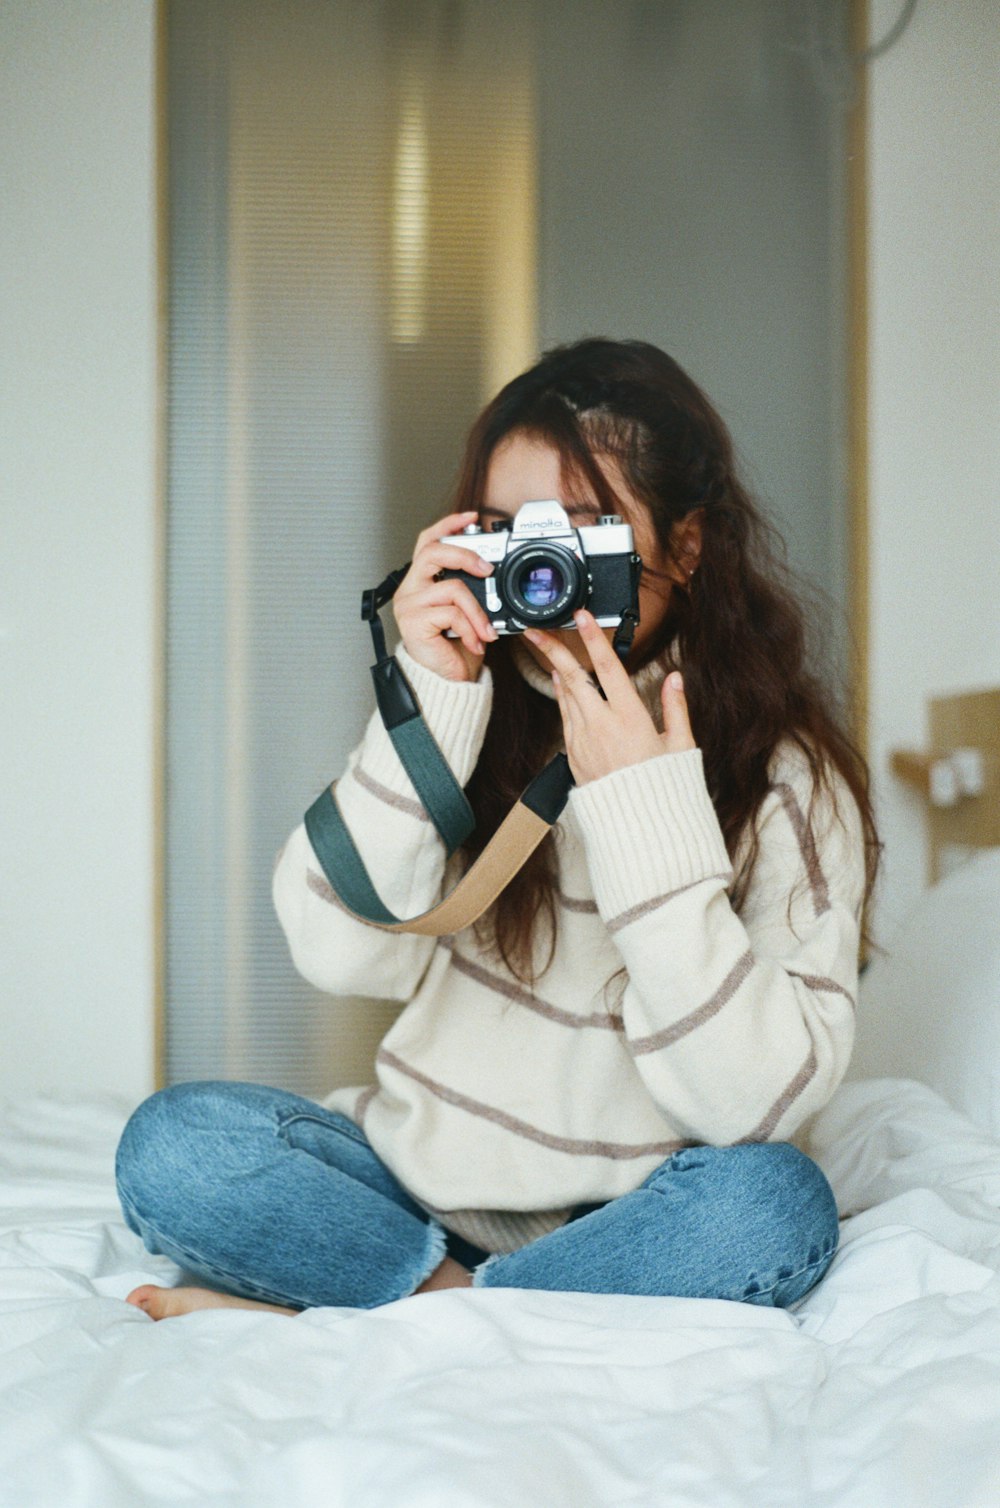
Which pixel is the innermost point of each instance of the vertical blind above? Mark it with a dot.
(378, 210)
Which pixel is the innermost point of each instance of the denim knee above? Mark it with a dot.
(137, 1142)
(781, 1202)
(150, 1150)
(763, 1171)
(207, 1178)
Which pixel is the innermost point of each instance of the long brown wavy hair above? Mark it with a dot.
(739, 629)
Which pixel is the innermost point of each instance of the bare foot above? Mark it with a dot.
(450, 1274)
(164, 1303)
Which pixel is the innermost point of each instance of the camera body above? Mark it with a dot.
(544, 569)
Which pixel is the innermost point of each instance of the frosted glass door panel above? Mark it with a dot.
(378, 212)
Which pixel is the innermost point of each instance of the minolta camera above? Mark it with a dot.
(544, 569)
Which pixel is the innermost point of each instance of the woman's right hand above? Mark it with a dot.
(425, 607)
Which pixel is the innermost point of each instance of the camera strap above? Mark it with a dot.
(520, 833)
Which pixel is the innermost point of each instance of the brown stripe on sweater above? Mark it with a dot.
(320, 886)
(499, 986)
(383, 793)
(827, 986)
(570, 903)
(643, 908)
(785, 1098)
(689, 1023)
(807, 848)
(578, 1148)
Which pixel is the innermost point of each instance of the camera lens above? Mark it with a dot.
(542, 583)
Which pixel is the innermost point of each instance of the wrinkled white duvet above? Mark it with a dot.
(880, 1390)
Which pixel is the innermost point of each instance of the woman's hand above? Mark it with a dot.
(424, 607)
(602, 736)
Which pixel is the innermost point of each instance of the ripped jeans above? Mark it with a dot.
(268, 1195)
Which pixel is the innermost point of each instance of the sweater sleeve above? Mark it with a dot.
(397, 841)
(741, 1025)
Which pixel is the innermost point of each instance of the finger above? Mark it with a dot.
(577, 685)
(438, 556)
(444, 618)
(566, 709)
(611, 673)
(456, 594)
(573, 675)
(452, 524)
(677, 734)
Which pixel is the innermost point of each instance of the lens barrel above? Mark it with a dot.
(542, 583)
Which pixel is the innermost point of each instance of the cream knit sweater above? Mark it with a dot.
(501, 1108)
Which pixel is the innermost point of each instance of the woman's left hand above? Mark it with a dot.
(602, 736)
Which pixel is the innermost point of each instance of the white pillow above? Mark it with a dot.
(931, 1009)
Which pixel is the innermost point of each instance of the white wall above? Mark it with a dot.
(77, 570)
(934, 165)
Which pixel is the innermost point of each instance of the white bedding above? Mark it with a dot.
(882, 1387)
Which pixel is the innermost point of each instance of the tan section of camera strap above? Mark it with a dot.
(517, 837)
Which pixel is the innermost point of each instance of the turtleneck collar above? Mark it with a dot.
(646, 681)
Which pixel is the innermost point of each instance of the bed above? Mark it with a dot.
(881, 1387)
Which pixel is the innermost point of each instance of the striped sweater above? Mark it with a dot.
(501, 1108)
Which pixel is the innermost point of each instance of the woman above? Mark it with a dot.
(597, 1086)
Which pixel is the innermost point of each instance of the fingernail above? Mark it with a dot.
(529, 633)
(675, 681)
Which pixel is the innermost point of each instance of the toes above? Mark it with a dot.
(149, 1298)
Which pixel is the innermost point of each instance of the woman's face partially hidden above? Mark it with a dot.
(525, 470)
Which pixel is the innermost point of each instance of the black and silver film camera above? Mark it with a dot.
(544, 569)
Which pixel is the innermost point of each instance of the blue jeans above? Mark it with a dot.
(270, 1196)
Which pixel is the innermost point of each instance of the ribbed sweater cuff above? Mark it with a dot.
(456, 712)
(649, 828)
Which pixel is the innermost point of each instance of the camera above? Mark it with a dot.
(544, 569)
